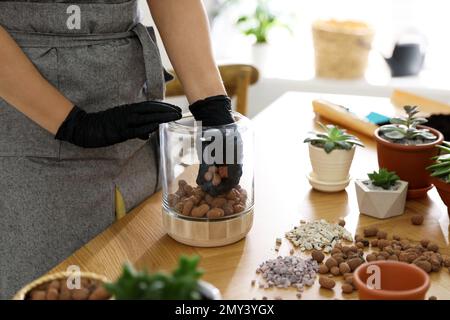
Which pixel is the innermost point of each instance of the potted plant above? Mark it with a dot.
(383, 195)
(258, 25)
(406, 146)
(440, 173)
(183, 283)
(331, 153)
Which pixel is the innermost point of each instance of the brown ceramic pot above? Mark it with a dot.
(409, 162)
(398, 281)
(443, 189)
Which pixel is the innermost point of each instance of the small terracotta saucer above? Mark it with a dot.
(418, 193)
(398, 281)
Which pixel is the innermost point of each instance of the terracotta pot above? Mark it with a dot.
(398, 281)
(381, 204)
(443, 189)
(409, 162)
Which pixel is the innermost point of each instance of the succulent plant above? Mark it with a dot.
(406, 128)
(181, 284)
(383, 178)
(441, 167)
(259, 23)
(333, 138)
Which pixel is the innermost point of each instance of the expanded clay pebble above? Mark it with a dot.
(318, 235)
(370, 232)
(381, 235)
(284, 272)
(194, 202)
(347, 288)
(317, 255)
(327, 283)
(417, 219)
(341, 222)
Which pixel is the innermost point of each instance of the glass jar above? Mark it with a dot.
(207, 180)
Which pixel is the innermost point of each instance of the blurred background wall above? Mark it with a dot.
(286, 61)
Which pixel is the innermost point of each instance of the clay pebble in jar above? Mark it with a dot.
(194, 202)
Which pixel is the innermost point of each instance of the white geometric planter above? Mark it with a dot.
(381, 204)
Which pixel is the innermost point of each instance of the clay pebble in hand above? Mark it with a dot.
(194, 202)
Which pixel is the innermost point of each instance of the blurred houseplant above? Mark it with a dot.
(183, 283)
(258, 25)
(260, 22)
(406, 146)
(440, 173)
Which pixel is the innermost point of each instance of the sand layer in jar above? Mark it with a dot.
(194, 202)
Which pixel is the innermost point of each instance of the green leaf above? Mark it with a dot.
(394, 135)
(441, 172)
(329, 146)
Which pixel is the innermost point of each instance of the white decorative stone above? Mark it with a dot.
(381, 204)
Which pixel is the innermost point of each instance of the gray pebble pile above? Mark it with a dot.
(290, 271)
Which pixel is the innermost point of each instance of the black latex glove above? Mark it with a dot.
(118, 124)
(216, 111)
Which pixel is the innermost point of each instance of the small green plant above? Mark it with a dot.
(406, 128)
(441, 167)
(181, 284)
(260, 22)
(383, 178)
(333, 138)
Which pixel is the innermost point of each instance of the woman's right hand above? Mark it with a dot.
(115, 125)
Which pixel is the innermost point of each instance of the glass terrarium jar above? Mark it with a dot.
(207, 180)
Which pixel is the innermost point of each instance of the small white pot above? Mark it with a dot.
(209, 291)
(381, 204)
(330, 170)
(260, 54)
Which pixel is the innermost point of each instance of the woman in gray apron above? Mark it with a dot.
(79, 121)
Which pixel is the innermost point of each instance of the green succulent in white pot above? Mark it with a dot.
(331, 153)
(382, 195)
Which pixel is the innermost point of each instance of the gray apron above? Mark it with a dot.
(54, 196)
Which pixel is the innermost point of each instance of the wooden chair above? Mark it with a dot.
(236, 77)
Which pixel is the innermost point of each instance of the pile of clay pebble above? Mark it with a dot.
(318, 235)
(289, 271)
(194, 202)
(345, 259)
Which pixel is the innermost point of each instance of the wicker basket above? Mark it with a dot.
(341, 48)
(21, 295)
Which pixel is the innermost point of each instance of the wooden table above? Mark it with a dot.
(283, 197)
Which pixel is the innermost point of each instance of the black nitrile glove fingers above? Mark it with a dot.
(143, 133)
(213, 111)
(115, 125)
(154, 106)
(138, 120)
